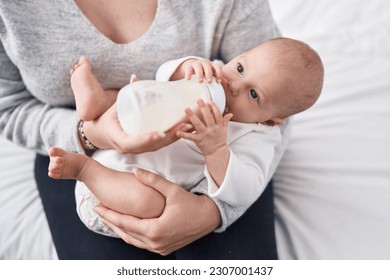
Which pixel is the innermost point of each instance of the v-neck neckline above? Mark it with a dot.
(85, 20)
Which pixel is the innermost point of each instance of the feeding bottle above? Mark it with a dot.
(148, 105)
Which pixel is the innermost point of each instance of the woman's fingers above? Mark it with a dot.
(131, 229)
(171, 230)
(140, 241)
(155, 181)
(128, 236)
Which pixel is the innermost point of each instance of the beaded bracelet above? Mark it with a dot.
(82, 133)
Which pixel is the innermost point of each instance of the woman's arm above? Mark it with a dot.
(28, 122)
(186, 217)
(106, 133)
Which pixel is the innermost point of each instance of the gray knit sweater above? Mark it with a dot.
(42, 40)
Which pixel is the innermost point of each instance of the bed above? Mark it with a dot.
(332, 188)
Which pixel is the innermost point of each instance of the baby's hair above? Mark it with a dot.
(300, 62)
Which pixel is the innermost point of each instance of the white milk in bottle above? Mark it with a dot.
(147, 106)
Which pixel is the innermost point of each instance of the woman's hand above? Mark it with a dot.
(107, 133)
(186, 218)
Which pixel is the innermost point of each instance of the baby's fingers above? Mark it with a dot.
(207, 115)
(216, 113)
(217, 72)
(198, 70)
(188, 72)
(194, 119)
(208, 71)
(226, 119)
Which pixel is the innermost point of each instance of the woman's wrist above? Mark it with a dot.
(84, 140)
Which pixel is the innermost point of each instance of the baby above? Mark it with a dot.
(233, 149)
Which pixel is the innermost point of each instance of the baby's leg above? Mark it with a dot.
(117, 190)
(91, 100)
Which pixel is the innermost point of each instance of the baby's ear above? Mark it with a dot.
(274, 121)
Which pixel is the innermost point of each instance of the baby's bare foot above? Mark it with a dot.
(91, 100)
(66, 165)
(84, 65)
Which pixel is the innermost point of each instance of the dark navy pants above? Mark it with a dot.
(251, 237)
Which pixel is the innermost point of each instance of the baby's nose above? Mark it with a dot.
(233, 88)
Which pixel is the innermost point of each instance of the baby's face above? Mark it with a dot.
(251, 87)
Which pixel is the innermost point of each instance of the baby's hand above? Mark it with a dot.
(209, 128)
(203, 69)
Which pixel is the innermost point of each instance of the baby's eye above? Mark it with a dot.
(240, 69)
(253, 94)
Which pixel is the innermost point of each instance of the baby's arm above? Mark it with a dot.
(117, 190)
(210, 136)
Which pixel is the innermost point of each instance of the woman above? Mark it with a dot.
(41, 42)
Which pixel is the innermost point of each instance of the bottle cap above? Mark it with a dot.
(217, 94)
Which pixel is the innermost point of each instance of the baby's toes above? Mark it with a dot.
(56, 152)
(54, 171)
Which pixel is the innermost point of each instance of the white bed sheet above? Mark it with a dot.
(24, 232)
(332, 189)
